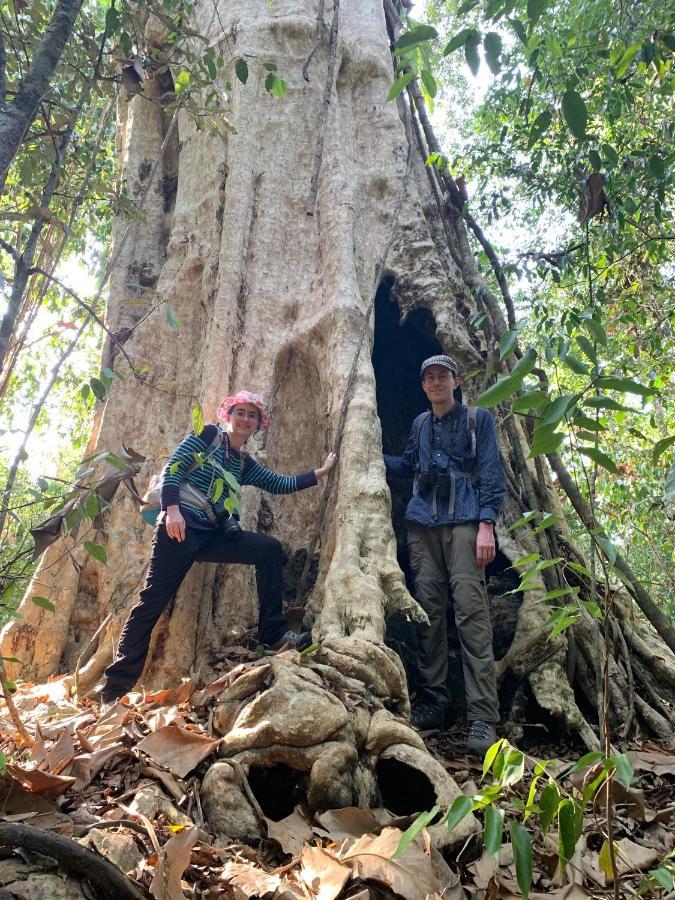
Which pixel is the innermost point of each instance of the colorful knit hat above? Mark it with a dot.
(228, 404)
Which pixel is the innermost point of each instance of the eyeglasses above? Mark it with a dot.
(245, 414)
(441, 376)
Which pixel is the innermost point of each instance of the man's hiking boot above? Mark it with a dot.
(291, 639)
(428, 715)
(482, 735)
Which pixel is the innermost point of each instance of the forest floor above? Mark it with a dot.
(125, 787)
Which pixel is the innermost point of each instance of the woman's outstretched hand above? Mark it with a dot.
(174, 523)
(328, 464)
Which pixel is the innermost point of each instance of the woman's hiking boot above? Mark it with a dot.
(482, 735)
(428, 714)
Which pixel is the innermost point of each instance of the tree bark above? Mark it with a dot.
(275, 301)
(17, 115)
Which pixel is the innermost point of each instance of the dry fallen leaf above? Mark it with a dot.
(348, 822)
(652, 761)
(177, 749)
(37, 782)
(632, 857)
(412, 875)
(251, 880)
(323, 873)
(290, 833)
(174, 858)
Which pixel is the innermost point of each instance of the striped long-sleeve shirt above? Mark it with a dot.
(240, 466)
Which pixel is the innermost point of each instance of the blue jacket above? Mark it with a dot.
(477, 484)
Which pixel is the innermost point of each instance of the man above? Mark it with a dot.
(453, 457)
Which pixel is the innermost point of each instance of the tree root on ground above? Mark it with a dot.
(329, 725)
(72, 857)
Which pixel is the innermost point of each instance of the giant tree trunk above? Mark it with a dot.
(274, 300)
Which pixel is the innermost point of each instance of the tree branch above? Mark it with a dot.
(17, 116)
(653, 613)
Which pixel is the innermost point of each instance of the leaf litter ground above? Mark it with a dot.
(124, 787)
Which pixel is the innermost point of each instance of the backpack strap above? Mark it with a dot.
(213, 446)
(471, 416)
(425, 417)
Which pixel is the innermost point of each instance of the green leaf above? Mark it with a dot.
(276, 86)
(493, 829)
(416, 35)
(657, 166)
(499, 391)
(575, 114)
(492, 43)
(514, 767)
(595, 161)
(600, 458)
(411, 833)
(458, 41)
(663, 877)
(429, 82)
(606, 403)
(461, 807)
(535, 8)
(98, 388)
(182, 81)
(526, 560)
(172, 318)
(491, 754)
(531, 400)
(241, 70)
(507, 343)
(555, 412)
(471, 52)
(522, 852)
(661, 446)
(570, 825)
(545, 440)
(575, 364)
(85, 390)
(588, 759)
(624, 768)
(174, 467)
(549, 801)
(626, 386)
(587, 348)
(539, 126)
(197, 419)
(548, 520)
(399, 85)
(43, 603)
(626, 60)
(608, 548)
(218, 487)
(92, 505)
(555, 593)
(523, 520)
(96, 550)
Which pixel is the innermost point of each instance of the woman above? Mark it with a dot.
(216, 465)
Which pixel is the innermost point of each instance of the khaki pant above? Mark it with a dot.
(442, 557)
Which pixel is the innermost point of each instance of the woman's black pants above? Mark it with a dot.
(169, 564)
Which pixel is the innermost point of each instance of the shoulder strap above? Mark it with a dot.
(213, 446)
(471, 415)
(425, 417)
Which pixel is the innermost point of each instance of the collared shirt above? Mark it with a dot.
(479, 481)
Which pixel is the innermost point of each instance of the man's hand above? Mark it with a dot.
(485, 544)
(174, 523)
